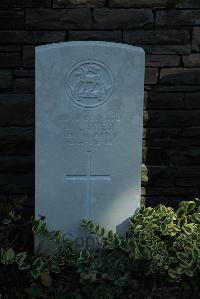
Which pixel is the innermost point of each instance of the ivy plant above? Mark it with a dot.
(161, 241)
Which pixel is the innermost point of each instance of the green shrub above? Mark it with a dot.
(169, 240)
(161, 242)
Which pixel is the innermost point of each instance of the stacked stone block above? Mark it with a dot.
(169, 31)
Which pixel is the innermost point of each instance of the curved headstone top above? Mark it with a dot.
(87, 43)
(89, 119)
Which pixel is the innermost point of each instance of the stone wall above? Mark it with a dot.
(168, 30)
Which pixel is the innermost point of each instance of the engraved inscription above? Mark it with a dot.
(86, 130)
(89, 83)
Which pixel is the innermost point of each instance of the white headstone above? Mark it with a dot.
(89, 119)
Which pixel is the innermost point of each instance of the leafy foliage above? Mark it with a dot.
(169, 240)
(161, 242)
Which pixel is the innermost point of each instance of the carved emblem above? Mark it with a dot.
(89, 83)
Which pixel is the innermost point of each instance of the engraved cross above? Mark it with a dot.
(89, 177)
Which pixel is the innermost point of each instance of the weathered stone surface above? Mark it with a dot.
(183, 156)
(159, 36)
(188, 182)
(11, 19)
(180, 76)
(58, 18)
(24, 73)
(162, 60)
(172, 142)
(192, 100)
(172, 118)
(176, 156)
(169, 138)
(192, 60)
(165, 100)
(144, 175)
(192, 132)
(16, 110)
(164, 145)
(34, 37)
(161, 175)
(167, 49)
(151, 75)
(105, 18)
(196, 39)
(136, 3)
(24, 85)
(78, 3)
(25, 3)
(188, 4)
(87, 110)
(17, 141)
(5, 80)
(188, 171)
(178, 190)
(16, 183)
(28, 56)
(177, 18)
(17, 164)
(10, 48)
(176, 88)
(110, 36)
(163, 133)
(10, 60)
(152, 155)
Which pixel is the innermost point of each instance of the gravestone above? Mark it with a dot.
(89, 119)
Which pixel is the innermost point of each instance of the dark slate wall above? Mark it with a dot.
(169, 32)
